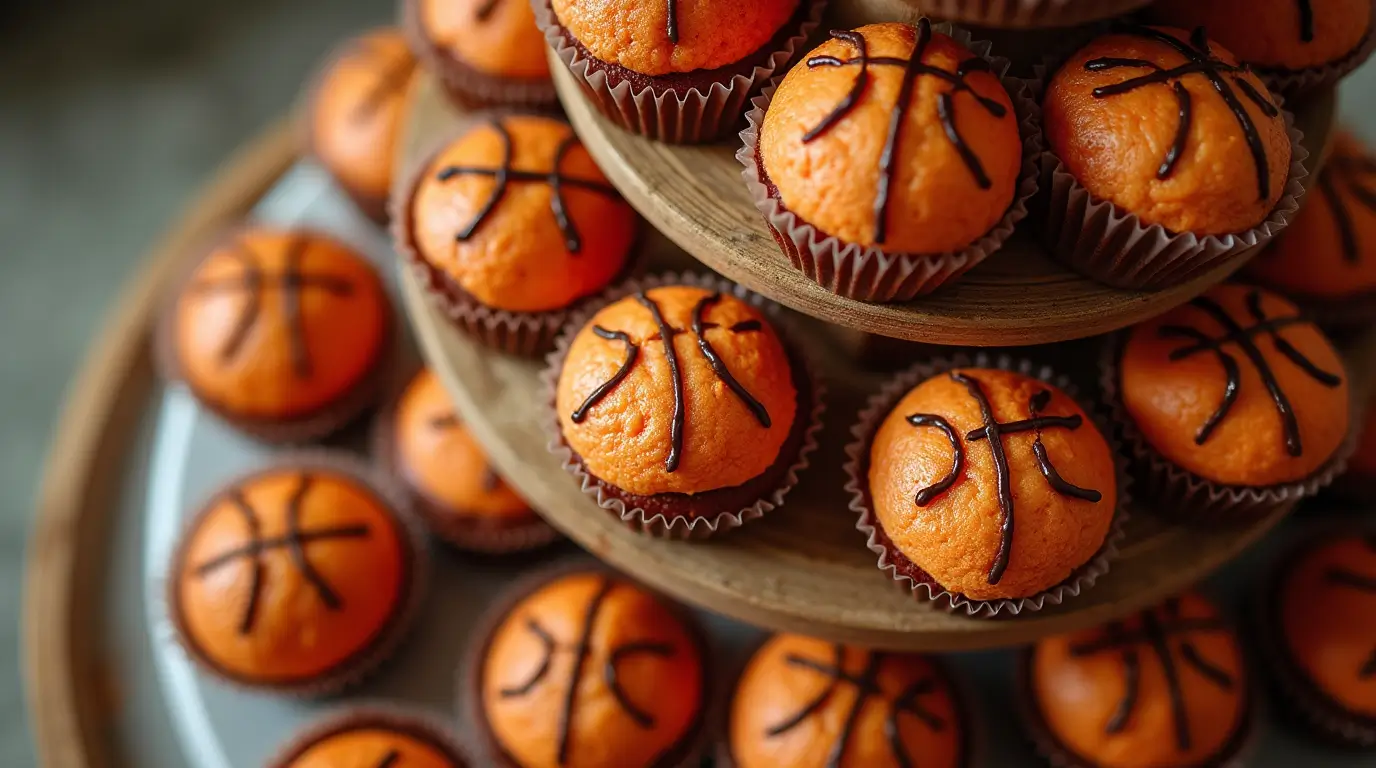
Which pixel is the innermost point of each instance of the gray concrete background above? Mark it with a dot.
(111, 115)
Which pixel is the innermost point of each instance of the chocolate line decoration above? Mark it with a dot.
(449, 421)
(1199, 60)
(295, 541)
(1161, 628)
(395, 73)
(485, 11)
(290, 283)
(582, 650)
(1352, 580)
(671, 20)
(1306, 9)
(993, 431)
(1348, 171)
(1243, 337)
(912, 69)
(390, 760)
(666, 333)
(867, 689)
(505, 175)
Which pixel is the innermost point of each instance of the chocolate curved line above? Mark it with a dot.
(1230, 370)
(1286, 348)
(1217, 674)
(255, 532)
(817, 701)
(756, 408)
(610, 676)
(549, 646)
(912, 69)
(486, 10)
(671, 23)
(632, 352)
(1200, 60)
(581, 651)
(1132, 686)
(1035, 406)
(505, 175)
(926, 495)
(389, 760)
(1350, 579)
(1306, 9)
(327, 595)
(1347, 170)
(666, 334)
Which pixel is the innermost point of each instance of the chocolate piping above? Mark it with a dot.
(666, 335)
(671, 23)
(290, 282)
(1306, 20)
(1199, 60)
(395, 75)
(1157, 633)
(1352, 580)
(632, 352)
(505, 175)
(295, 541)
(550, 646)
(1035, 406)
(486, 10)
(925, 495)
(1347, 170)
(610, 676)
(1235, 333)
(866, 687)
(912, 68)
(390, 759)
(719, 367)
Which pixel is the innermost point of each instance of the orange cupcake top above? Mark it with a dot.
(547, 232)
(497, 37)
(375, 745)
(1329, 249)
(1328, 620)
(1113, 114)
(441, 460)
(579, 675)
(662, 37)
(806, 703)
(935, 482)
(278, 324)
(1165, 687)
(828, 140)
(648, 421)
(358, 109)
(1278, 34)
(290, 575)
(1236, 388)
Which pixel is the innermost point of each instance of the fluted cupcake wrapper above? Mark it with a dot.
(1028, 13)
(693, 115)
(423, 725)
(466, 85)
(473, 724)
(683, 526)
(1296, 694)
(867, 273)
(1183, 496)
(365, 661)
(525, 334)
(287, 431)
(1111, 245)
(879, 406)
(1299, 82)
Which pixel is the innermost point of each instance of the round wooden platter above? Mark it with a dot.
(696, 197)
(803, 568)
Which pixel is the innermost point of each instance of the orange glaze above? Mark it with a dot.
(625, 438)
(1271, 36)
(935, 203)
(505, 42)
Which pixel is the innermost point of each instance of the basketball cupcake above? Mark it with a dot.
(585, 668)
(893, 710)
(680, 408)
(1168, 688)
(1318, 625)
(1167, 158)
(369, 736)
(1232, 404)
(299, 578)
(893, 160)
(1326, 260)
(453, 486)
(986, 489)
(282, 333)
(676, 72)
(355, 113)
(1359, 481)
(484, 52)
(1295, 45)
(512, 225)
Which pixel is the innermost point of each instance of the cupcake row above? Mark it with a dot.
(577, 666)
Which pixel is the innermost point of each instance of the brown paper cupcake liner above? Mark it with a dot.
(526, 334)
(868, 273)
(474, 728)
(681, 526)
(1297, 696)
(468, 86)
(463, 531)
(317, 425)
(1111, 245)
(867, 424)
(678, 114)
(1235, 754)
(1298, 82)
(422, 726)
(1029, 13)
(1185, 497)
(353, 670)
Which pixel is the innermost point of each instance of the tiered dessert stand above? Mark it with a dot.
(105, 679)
